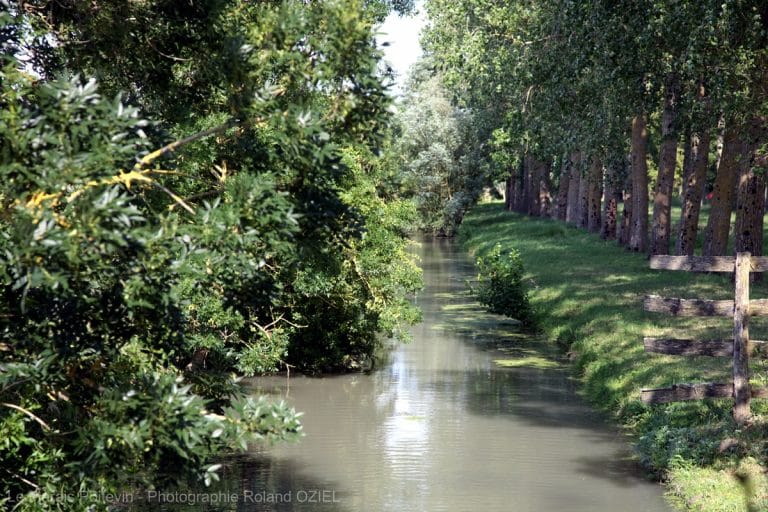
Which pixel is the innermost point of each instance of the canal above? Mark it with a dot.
(442, 426)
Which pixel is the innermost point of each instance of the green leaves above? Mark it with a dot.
(559, 75)
(441, 152)
(502, 288)
(132, 290)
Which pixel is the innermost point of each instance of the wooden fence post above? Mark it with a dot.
(741, 307)
(741, 391)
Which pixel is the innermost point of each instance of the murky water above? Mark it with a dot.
(441, 427)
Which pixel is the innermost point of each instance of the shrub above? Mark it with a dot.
(501, 286)
(93, 316)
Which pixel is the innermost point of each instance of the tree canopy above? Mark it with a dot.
(187, 191)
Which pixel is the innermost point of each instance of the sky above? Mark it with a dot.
(402, 34)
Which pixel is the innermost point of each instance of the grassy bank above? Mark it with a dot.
(589, 296)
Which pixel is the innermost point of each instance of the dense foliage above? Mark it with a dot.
(570, 89)
(210, 202)
(501, 285)
(442, 156)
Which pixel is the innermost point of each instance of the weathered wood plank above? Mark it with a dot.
(682, 347)
(678, 347)
(705, 263)
(741, 392)
(683, 392)
(687, 307)
(700, 307)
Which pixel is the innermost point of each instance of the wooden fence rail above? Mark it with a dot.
(738, 348)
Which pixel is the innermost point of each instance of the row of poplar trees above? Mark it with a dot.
(582, 96)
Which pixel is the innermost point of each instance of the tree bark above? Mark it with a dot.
(514, 195)
(525, 198)
(594, 195)
(610, 204)
(694, 178)
(508, 192)
(533, 189)
(582, 220)
(572, 213)
(638, 240)
(750, 199)
(545, 187)
(626, 214)
(662, 197)
(687, 161)
(561, 208)
(518, 198)
(719, 223)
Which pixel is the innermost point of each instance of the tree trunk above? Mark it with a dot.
(518, 199)
(638, 239)
(526, 185)
(626, 214)
(594, 195)
(545, 187)
(662, 197)
(533, 202)
(572, 212)
(720, 139)
(508, 192)
(608, 229)
(582, 218)
(687, 161)
(719, 223)
(750, 199)
(561, 208)
(750, 210)
(694, 178)
(514, 191)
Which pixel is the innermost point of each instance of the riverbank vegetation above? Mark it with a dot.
(189, 190)
(501, 287)
(605, 116)
(631, 103)
(588, 293)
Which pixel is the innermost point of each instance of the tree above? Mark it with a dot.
(723, 195)
(574, 186)
(560, 76)
(440, 151)
(662, 200)
(594, 195)
(638, 237)
(695, 165)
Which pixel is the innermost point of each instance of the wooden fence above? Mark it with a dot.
(738, 348)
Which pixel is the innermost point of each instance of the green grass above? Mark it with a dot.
(589, 295)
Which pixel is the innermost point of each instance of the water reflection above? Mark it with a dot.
(440, 427)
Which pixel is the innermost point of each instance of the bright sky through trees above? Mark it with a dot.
(402, 34)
